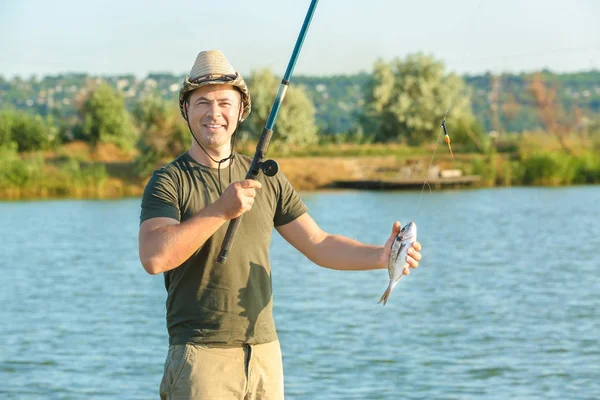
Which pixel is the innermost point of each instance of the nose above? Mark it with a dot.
(215, 110)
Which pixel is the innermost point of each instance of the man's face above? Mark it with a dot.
(213, 113)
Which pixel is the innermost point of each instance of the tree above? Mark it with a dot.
(105, 118)
(6, 122)
(160, 125)
(163, 132)
(29, 132)
(295, 122)
(549, 109)
(408, 99)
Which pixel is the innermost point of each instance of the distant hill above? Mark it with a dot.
(337, 99)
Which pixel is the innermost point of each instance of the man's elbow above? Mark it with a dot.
(152, 265)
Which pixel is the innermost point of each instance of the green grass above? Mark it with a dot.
(35, 177)
(529, 159)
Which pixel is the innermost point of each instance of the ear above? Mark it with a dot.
(185, 110)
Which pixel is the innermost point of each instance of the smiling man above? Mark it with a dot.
(222, 338)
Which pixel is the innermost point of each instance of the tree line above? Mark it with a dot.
(403, 100)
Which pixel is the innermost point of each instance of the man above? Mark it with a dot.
(222, 338)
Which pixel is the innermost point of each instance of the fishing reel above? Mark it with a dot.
(269, 167)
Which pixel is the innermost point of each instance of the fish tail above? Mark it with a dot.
(385, 296)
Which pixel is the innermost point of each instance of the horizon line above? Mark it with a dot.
(311, 75)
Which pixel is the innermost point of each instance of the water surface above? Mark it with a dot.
(505, 304)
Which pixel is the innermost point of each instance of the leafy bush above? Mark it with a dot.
(163, 133)
(407, 99)
(105, 119)
(78, 173)
(486, 168)
(29, 132)
(549, 169)
(296, 119)
(16, 172)
(588, 169)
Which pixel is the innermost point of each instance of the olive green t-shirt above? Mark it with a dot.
(208, 302)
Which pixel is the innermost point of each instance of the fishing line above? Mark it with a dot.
(425, 183)
(451, 103)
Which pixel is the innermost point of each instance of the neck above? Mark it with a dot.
(218, 154)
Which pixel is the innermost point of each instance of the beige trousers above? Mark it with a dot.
(242, 372)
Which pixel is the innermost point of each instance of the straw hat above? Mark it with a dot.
(212, 68)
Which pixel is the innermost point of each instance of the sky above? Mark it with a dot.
(109, 37)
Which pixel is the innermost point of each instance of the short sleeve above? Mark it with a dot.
(289, 204)
(160, 198)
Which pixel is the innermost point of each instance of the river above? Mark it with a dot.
(505, 304)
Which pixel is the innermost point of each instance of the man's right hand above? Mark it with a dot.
(237, 198)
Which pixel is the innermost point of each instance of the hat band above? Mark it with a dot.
(214, 78)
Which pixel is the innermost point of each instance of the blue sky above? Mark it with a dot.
(133, 36)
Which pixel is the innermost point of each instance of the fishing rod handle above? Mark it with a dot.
(228, 241)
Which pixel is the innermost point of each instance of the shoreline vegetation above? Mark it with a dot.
(79, 171)
(81, 136)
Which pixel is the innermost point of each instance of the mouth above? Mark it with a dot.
(213, 127)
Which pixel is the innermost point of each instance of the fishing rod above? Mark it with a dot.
(269, 167)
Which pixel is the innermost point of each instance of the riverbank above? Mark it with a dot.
(104, 180)
(76, 171)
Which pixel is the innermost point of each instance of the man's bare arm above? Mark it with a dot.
(165, 243)
(339, 252)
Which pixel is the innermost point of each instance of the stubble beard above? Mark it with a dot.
(214, 141)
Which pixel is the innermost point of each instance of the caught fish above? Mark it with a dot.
(397, 262)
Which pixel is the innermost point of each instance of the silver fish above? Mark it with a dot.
(397, 262)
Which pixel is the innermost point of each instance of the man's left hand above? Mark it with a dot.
(413, 254)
